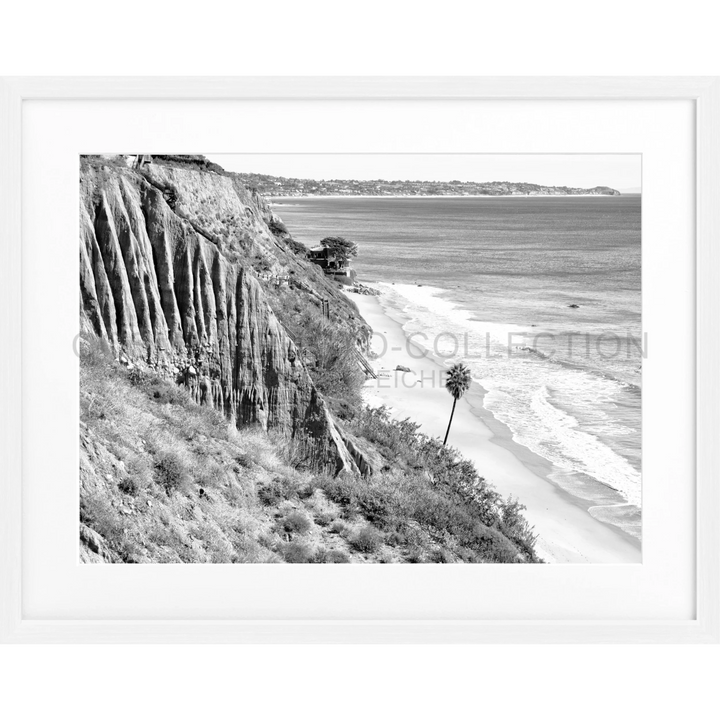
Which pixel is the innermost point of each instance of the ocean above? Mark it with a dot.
(491, 282)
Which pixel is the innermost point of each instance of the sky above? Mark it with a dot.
(622, 172)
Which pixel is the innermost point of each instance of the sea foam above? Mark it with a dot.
(564, 414)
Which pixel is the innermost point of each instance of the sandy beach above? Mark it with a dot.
(567, 533)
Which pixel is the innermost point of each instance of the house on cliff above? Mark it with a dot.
(333, 262)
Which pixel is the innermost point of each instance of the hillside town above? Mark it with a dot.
(272, 186)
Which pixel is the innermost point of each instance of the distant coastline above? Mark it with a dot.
(275, 186)
(272, 198)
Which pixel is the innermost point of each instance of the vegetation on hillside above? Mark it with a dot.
(198, 161)
(327, 349)
(344, 249)
(166, 480)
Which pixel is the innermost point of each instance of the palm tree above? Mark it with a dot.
(457, 384)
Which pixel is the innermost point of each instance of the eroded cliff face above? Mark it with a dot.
(163, 281)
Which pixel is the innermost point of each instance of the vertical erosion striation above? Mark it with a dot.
(168, 298)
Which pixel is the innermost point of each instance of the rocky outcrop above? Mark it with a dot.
(368, 460)
(163, 281)
(92, 546)
(361, 289)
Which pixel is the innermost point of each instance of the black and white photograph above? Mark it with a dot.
(360, 358)
(390, 387)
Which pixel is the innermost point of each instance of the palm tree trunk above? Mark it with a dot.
(450, 423)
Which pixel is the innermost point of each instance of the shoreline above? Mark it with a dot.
(567, 532)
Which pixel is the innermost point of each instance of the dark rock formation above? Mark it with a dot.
(367, 459)
(361, 289)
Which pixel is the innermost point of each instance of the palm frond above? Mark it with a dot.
(458, 380)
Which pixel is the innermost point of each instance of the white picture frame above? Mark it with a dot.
(704, 93)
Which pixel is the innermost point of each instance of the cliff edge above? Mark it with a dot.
(175, 264)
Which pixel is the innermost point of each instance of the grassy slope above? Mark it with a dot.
(165, 480)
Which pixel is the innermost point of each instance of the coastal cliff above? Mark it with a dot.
(169, 279)
(221, 415)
